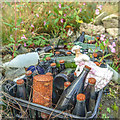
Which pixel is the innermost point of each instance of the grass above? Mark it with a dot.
(27, 12)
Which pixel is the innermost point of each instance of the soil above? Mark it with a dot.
(110, 103)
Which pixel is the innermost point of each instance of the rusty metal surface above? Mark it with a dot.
(42, 91)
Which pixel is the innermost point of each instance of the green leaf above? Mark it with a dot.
(11, 39)
(36, 37)
(8, 24)
(50, 14)
(15, 28)
(77, 17)
(10, 44)
(115, 107)
(29, 42)
(56, 11)
(102, 43)
(108, 109)
(105, 56)
(56, 20)
(20, 40)
(37, 42)
(15, 53)
(96, 50)
(107, 41)
(61, 12)
(19, 21)
(96, 39)
(104, 116)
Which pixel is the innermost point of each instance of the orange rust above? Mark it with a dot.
(68, 53)
(81, 97)
(88, 67)
(53, 64)
(49, 73)
(66, 84)
(75, 73)
(20, 81)
(48, 58)
(57, 52)
(95, 55)
(68, 27)
(98, 38)
(42, 91)
(92, 80)
(28, 73)
(97, 63)
(61, 61)
(43, 78)
(44, 116)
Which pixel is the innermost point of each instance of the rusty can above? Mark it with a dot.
(42, 91)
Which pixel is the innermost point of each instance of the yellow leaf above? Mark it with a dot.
(79, 21)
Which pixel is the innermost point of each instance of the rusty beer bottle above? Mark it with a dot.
(68, 97)
(66, 84)
(29, 83)
(54, 69)
(62, 65)
(68, 53)
(80, 108)
(21, 93)
(90, 94)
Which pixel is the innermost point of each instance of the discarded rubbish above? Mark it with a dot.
(68, 98)
(23, 60)
(21, 92)
(64, 76)
(90, 94)
(55, 88)
(42, 91)
(80, 108)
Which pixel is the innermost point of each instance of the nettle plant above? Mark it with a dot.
(66, 14)
(106, 45)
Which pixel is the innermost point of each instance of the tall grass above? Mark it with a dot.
(26, 13)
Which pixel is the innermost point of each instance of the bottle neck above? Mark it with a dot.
(20, 85)
(53, 67)
(29, 76)
(62, 65)
(92, 91)
(78, 84)
(54, 70)
(81, 102)
(84, 73)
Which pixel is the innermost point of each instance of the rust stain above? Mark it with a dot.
(42, 91)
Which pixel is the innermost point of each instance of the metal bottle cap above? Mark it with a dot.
(20, 81)
(92, 80)
(53, 64)
(61, 61)
(28, 73)
(80, 97)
